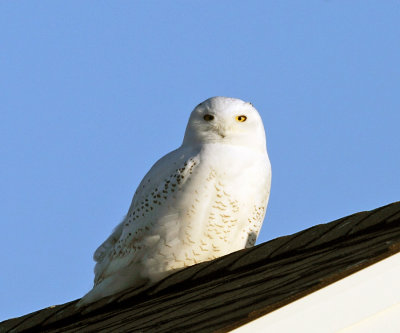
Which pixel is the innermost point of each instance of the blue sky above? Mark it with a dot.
(93, 93)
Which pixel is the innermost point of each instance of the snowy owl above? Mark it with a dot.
(201, 201)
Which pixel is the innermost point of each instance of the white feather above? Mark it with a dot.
(204, 200)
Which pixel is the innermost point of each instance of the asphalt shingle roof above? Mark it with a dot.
(222, 294)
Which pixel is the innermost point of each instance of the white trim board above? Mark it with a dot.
(366, 301)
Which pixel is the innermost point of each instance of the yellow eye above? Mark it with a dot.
(208, 117)
(241, 118)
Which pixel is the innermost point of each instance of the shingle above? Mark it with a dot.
(223, 293)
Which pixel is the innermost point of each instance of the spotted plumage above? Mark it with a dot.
(204, 200)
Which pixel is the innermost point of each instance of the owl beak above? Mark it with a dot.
(221, 130)
(221, 133)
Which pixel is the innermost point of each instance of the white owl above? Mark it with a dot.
(206, 199)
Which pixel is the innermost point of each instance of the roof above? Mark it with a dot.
(365, 301)
(222, 294)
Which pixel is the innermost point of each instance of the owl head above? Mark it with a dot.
(225, 120)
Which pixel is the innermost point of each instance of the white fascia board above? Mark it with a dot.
(366, 301)
(384, 321)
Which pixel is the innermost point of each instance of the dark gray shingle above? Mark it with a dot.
(224, 293)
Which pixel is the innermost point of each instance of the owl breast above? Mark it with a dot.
(217, 208)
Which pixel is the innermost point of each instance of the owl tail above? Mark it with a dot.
(112, 285)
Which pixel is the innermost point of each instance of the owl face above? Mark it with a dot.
(225, 120)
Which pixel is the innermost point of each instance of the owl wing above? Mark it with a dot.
(128, 242)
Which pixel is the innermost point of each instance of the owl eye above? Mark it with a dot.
(208, 117)
(241, 118)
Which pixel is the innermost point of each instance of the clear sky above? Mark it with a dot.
(92, 93)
